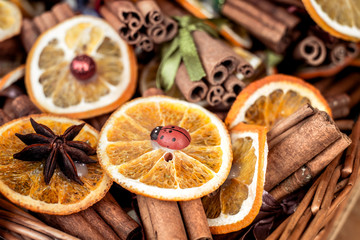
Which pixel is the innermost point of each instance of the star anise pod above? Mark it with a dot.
(56, 150)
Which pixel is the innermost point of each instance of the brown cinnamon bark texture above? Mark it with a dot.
(312, 50)
(157, 33)
(145, 43)
(161, 219)
(20, 106)
(127, 12)
(192, 91)
(234, 85)
(314, 134)
(195, 220)
(114, 21)
(29, 34)
(151, 12)
(124, 226)
(171, 28)
(49, 19)
(215, 95)
(338, 54)
(215, 57)
(62, 11)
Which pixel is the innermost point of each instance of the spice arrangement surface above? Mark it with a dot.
(184, 119)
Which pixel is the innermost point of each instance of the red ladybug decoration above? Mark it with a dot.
(172, 137)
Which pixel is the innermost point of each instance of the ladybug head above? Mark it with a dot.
(155, 132)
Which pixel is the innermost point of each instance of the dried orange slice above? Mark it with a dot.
(128, 155)
(10, 20)
(22, 182)
(80, 68)
(12, 77)
(272, 98)
(339, 18)
(237, 202)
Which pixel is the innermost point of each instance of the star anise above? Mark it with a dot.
(56, 150)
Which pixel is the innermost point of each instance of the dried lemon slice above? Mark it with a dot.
(80, 68)
(10, 20)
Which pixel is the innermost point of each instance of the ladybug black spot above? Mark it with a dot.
(170, 131)
(174, 139)
(172, 127)
(162, 136)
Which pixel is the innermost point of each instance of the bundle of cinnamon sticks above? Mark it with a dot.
(142, 24)
(272, 25)
(220, 86)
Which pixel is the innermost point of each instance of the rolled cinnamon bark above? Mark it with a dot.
(99, 224)
(338, 101)
(157, 33)
(49, 19)
(228, 99)
(39, 24)
(311, 169)
(215, 95)
(345, 124)
(124, 226)
(171, 28)
(29, 34)
(166, 221)
(145, 43)
(340, 112)
(192, 91)
(215, 57)
(73, 224)
(195, 220)
(234, 85)
(119, 26)
(355, 97)
(151, 12)
(338, 54)
(62, 11)
(352, 49)
(312, 50)
(127, 12)
(315, 134)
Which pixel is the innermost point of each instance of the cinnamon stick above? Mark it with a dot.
(151, 12)
(157, 33)
(354, 97)
(228, 99)
(344, 85)
(20, 107)
(73, 224)
(338, 101)
(344, 124)
(145, 43)
(351, 151)
(195, 220)
(127, 12)
(300, 227)
(119, 26)
(315, 134)
(165, 219)
(233, 84)
(98, 223)
(124, 226)
(215, 95)
(352, 49)
(284, 124)
(4, 118)
(62, 11)
(338, 54)
(312, 50)
(8, 235)
(39, 24)
(192, 91)
(216, 57)
(17, 228)
(279, 230)
(171, 27)
(323, 84)
(49, 20)
(29, 34)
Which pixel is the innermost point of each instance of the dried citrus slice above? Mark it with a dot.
(237, 202)
(340, 18)
(23, 183)
(10, 20)
(12, 77)
(142, 166)
(272, 98)
(80, 68)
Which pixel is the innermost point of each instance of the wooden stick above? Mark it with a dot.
(354, 97)
(146, 218)
(344, 85)
(35, 225)
(345, 124)
(350, 153)
(124, 226)
(340, 186)
(22, 230)
(323, 84)
(320, 191)
(195, 220)
(283, 135)
(331, 189)
(279, 230)
(316, 224)
(290, 121)
(299, 211)
(300, 227)
(99, 224)
(62, 11)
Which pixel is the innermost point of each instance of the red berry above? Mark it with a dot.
(83, 67)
